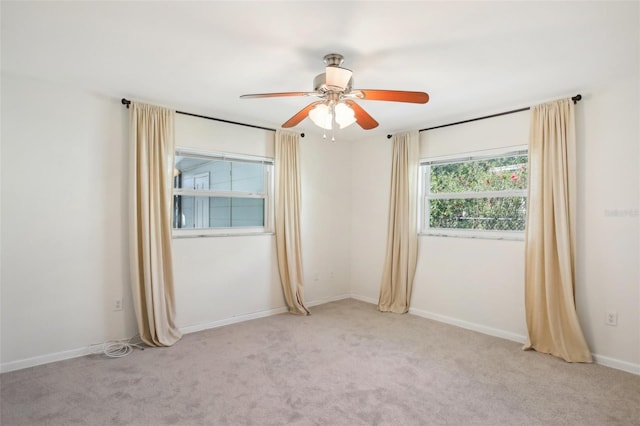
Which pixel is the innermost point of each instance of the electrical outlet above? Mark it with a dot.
(117, 305)
(612, 319)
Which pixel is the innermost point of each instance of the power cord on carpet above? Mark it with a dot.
(120, 348)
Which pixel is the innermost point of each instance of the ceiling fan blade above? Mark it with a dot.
(392, 95)
(276, 95)
(363, 118)
(301, 115)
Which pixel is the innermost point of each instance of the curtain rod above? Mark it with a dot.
(127, 102)
(575, 100)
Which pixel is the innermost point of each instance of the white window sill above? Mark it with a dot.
(481, 235)
(206, 233)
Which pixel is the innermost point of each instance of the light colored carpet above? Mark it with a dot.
(346, 364)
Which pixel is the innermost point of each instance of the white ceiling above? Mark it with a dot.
(473, 58)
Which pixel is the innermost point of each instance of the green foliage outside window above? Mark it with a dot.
(467, 194)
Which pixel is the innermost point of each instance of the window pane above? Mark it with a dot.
(247, 177)
(496, 214)
(219, 192)
(217, 212)
(222, 175)
(247, 212)
(220, 212)
(494, 174)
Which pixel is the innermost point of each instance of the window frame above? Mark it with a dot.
(267, 196)
(425, 195)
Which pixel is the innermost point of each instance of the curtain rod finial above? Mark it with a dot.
(576, 98)
(389, 136)
(125, 102)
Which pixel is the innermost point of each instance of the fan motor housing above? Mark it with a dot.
(320, 84)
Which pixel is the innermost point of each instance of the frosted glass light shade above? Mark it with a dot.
(321, 116)
(344, 115)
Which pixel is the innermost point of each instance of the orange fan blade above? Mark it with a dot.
(277, 95)
(363, 118)
(394, 96)
(304, 112)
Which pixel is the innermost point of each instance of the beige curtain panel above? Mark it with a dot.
(152, 151)
(552, 321)
(402, 232)
(287, 215)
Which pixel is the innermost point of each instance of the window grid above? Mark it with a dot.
(455, 210)
(222, 194)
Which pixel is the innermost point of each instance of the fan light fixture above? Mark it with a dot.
(337, 106)
(323, 115)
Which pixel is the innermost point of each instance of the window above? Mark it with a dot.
(218, 194)
(483, 195)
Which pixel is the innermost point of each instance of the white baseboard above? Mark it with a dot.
(233, 320)
(629, 367)
(75, 353)
(470, 325)
(328, 300)
(46, 359)
(364, 299)
(256, 315)
(88, 350)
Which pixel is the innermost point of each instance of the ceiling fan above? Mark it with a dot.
(336, 105)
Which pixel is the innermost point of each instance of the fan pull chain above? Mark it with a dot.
(333, 122)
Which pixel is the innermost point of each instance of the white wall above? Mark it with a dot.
(479, 283)
(218, 278)
(221, 278)
(326, 206)
(608, 273)
(64, 229)
(64, 226)
(473, 282)
(370, 184)
(455, 276)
